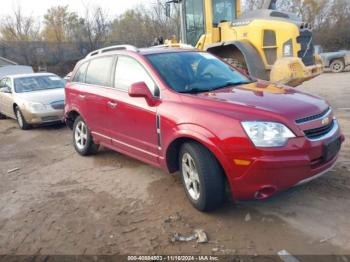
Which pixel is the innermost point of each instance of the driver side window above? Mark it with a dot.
(224, 10)
(129, 71)
(6, 83)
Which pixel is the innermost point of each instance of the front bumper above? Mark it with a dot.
(50, 116)
(276, 170)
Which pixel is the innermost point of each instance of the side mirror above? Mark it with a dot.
(5, 89)
(140, 89)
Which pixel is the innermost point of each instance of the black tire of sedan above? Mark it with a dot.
(202, 177)
(82, 139)
(337, 66)
(22, 123)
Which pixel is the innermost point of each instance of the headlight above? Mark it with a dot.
(267, 134)
(36, 107)
(288, 48)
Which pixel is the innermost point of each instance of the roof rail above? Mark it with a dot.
(113, 48)
(176, 45)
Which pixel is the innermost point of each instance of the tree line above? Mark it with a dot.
(64, 36)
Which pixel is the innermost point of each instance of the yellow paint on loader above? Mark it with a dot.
(279, 67)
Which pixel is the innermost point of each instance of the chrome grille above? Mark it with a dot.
(313, 117)
(319, 132)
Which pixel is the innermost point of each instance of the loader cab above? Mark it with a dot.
(223, 11)
(200, 17)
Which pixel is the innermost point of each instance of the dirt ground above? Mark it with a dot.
(61, 203)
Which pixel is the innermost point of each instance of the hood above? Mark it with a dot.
(44, 96)
(284, 101)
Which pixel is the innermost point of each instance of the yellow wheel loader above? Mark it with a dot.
(266, 43)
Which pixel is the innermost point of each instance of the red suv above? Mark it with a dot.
(187, 110)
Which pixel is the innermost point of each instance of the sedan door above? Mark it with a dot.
(6, 98)
(132, 121)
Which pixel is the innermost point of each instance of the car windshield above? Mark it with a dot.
(37, 83)
(195, 72)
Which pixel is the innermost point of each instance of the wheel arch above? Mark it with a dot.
(173, 150)
(255, 64)
(341, 58)
(70, 118)
(14, 107)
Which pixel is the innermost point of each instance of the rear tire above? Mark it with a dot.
(337, 66)
(82, 139)
(202, 177)
(22, 123)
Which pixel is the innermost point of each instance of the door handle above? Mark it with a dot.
(112, 104)
(82, 97)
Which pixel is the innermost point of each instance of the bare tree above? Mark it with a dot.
(96, 27)
(252, 4)
(141, 25)
(59, 23)
(18, 27)
(16, 31)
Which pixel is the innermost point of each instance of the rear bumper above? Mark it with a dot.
(269, 174)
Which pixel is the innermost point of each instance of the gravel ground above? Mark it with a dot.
(60, 203)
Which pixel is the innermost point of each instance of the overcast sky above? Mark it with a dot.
(39, 7)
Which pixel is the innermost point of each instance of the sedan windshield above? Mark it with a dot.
(38, 83)
(195, 72)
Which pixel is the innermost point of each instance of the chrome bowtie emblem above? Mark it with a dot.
(325, 121)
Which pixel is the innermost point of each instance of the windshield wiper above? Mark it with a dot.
(196, 90)
(230, 83)
(193, 90)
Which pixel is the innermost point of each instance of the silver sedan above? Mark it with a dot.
(32, 98)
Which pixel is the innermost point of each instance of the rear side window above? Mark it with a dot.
(80, 75)
(99, 71)
(129, 71)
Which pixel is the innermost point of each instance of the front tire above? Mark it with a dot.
(337, 66)
(82, 139)
(22, 123)
(202, 177)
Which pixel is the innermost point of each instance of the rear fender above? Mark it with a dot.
(329, 58)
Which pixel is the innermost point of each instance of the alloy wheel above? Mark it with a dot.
(81, 135)
(191, 177)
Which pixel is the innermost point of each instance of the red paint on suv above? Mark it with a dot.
(189, 111)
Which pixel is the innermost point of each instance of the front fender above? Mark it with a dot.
(202, 136)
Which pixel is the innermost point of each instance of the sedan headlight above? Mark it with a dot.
(267, 134)
(36, 107)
